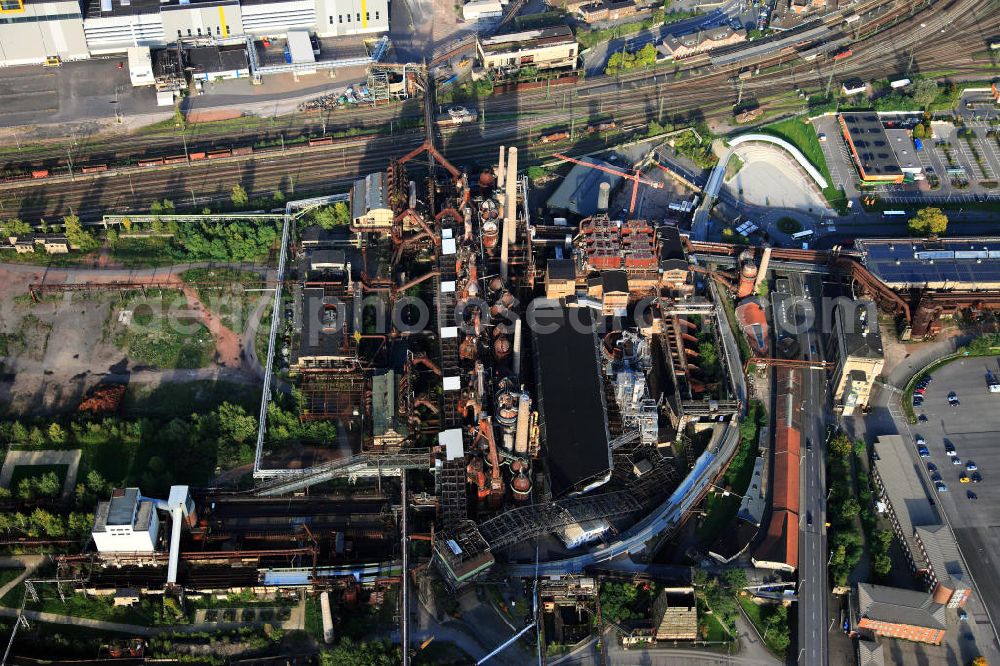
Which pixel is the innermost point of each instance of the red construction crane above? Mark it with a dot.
(635, 177)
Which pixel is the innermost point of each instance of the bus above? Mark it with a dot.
(803, 234)
(893, 213)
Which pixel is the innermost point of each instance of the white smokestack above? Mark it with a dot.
(512, 194)
(501, 171)
(516, 361)
(603, 196)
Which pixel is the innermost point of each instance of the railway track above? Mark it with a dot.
(632, 100)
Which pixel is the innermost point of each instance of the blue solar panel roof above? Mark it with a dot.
(915, 262)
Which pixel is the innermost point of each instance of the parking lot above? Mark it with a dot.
(838, 160)
(972, 427)
(955, 168)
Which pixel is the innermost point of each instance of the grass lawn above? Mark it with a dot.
(733, 166)
(789, 225)
(159, 335)
(802, 135)
(7, 575)
(716, 632)
(139, 252)
(186, 398)
(22, 472)
(314, 619)
(756, 614)
(97, 608)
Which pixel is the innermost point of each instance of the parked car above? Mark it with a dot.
(962, 478)
(922, 418)
(935, 476)
(971, 495)
(956, 461)
(924, 453)
(962, 615)
(971, 466)
(931, 467)
(941, 487)
(949, 449)
(920, 441)
(976, 477)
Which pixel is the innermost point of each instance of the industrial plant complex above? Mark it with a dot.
(357, 331)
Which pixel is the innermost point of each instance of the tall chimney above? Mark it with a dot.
(512, 194)
(516, 360)
(603, 196)
(501, 171)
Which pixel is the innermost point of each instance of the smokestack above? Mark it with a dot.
(516, 361)
(523, 416)
(603, 196)
(501, 171)
(512, 194)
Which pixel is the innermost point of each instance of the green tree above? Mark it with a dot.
(840, 446)
(78, 237)
(617, 600)
(708, 355)
(919, 132)
(884, 539)
(56, 434)
(80, 524)
(882, 564)
(336, 215)
(735, 579)
(860, 448)
(370, 653)
(929, 221)
(41, 522)
(850, 509)
(15, 227)
(239, 196)
(924, 92)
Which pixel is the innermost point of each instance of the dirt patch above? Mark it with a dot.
(212, 115)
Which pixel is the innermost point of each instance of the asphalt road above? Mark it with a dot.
(812, 611)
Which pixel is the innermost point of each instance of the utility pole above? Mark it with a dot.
(404, 614)
(184, 139)
(69, 158)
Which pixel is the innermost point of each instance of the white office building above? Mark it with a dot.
(126, 524)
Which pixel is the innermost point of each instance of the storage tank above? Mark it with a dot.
(748, 274)
(521, 485)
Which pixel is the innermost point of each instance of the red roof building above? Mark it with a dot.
(780, 548)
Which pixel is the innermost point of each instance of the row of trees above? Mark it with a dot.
(848, 505)
(45, 524)
(150, 452)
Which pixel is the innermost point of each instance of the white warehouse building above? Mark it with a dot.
(33, 31)
(30, 33)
